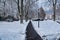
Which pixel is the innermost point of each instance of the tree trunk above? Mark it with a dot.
(21, 16)
(25, 11)
(18, 7)
(26, 17)
(54, 11)
(4, 8)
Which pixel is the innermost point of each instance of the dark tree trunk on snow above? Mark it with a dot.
(26, 17)
(54, 8)
(21, 16)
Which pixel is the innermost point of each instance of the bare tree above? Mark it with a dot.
(53, 2)
(18, 6)
(26, 7)
(29, 3)
(20, 9)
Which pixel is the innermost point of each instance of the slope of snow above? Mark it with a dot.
(46, 27)
(12, 30)
(49, 29)
(16, 31)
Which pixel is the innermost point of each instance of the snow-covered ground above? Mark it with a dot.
(48, 28)
(12, 30)
(16, 31)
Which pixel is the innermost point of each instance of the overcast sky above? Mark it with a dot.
(44, 4)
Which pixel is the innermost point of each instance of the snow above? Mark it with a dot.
(49, 28)
(12, 30)
(16, 31)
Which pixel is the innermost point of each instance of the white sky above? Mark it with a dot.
(41, 3)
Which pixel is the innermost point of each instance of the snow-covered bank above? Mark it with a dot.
(12, 30)
(48, 27)
(16, 31)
